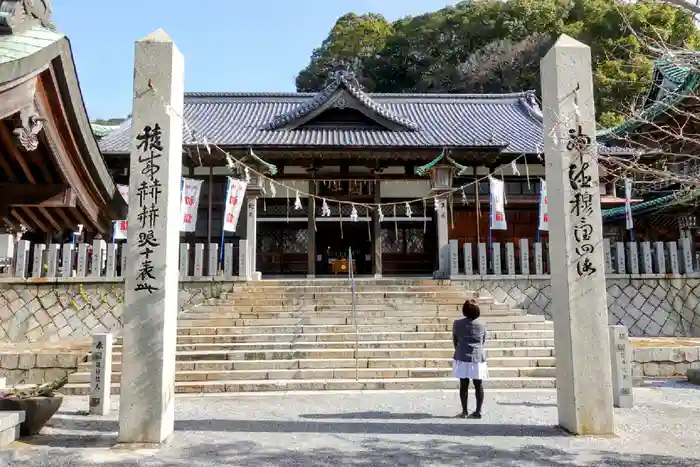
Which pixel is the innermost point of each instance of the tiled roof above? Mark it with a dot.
(441, 120)
(674, 81)
(21, 45)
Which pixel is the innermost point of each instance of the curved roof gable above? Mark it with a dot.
(343, 92)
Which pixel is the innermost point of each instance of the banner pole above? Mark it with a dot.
(223, 222)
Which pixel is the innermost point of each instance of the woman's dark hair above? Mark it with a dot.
(471, 309)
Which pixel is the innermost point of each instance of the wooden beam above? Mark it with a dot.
(68, 223)
(17, 96)
(46, 196)
(6, 167)
(34, 219)
(15, 213)
(11, 146)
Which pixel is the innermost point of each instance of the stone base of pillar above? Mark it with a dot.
(377, 276)
(311, 276)
(440, 275)
(257, 276)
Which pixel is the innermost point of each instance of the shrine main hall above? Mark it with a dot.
(347, 145)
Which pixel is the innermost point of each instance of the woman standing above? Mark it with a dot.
(469, 361)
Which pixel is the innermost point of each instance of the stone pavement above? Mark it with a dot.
(377, 429)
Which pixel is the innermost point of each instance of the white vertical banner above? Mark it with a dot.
(120, 226)
(544, 207)
(628, 204)
(498, 211)
(189, 203)
(234, 199)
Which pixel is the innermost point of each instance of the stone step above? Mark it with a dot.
(387, 353)
(300, 364)
(408, 329)
(333, 373)
(331, 385)
(311, 320)
(388, 306)
(345, 337)
(347, 294)
(336, 300)
(360, 314)
(303, 346)
(524, 320)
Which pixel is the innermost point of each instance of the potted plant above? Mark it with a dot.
(39, 404)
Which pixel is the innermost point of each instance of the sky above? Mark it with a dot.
(229, 45)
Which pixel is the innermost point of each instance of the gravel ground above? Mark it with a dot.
(377, 429)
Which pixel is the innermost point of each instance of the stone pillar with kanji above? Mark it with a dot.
(584, 379)
(146, 406)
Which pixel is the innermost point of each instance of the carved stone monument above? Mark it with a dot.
(524, 257)
(454, 257)
(146, 409)
(621, 361)
(22, 262)
(52, 260)
(38, 266)
(184, 260)
(199, 260)
(101, 380)
(584, 384)
(468, 259)
(213, 260)
(483, 264)
(496, 258)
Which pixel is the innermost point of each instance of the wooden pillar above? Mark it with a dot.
(377, 233)
(210, 219)
(477, 199)
(311, 270)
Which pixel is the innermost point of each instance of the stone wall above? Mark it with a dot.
(664, 362)
(648, 305)
(23, 367)
(71, 309)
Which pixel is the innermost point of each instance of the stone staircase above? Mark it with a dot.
(287, 335)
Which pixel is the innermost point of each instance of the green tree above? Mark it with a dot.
(495, 46)
(352, 40)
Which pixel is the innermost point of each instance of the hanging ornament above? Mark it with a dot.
(206, 144)
(230, 162)
(381, 213)
(273, 190)
(297, 202)
(514, 168)
(246, 174)
(353, 214)
(438, 205)
(464, 197)
(409, 212)
(555, 137)
(325, 209)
